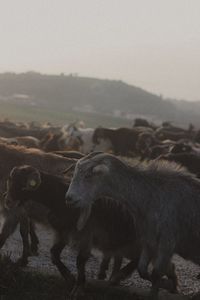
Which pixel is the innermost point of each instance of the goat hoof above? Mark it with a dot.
(174, 288)
(70, 284)
(144, 275)
(22, 262)
(101, 276)
(77, 292)
(153, 295)
(34, 251)
(114, 280)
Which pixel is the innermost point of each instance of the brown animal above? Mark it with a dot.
(26, 141)
(9, 130)
(123, 140)
(11, 156)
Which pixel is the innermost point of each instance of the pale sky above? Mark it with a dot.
(153, 44)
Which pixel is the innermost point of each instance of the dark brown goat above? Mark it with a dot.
(190, 161)
(11, 156)
(141, 122)
(26, 141)
(165, 133)
(9, 130)
(123, 140)
(51, 142)
(146, 140)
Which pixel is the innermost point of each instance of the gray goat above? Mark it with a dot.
(163, 198)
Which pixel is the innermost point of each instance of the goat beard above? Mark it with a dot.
(84, 215)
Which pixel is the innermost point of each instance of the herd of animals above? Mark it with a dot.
(76, 180)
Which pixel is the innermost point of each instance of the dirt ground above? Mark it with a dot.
(186, 271)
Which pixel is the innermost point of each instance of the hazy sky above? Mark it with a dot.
(154, 44)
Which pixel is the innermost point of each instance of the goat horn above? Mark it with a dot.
(93, 154)
(69, 169)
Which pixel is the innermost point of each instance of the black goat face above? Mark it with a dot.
(21, 182)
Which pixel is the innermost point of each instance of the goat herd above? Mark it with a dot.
(66, 177)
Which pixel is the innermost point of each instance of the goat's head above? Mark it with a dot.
(21, 182)
(94, 177)
(98, 135)
(181, 148)
(72, 138)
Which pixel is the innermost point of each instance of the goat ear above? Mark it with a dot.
(14, 170)
(70, 168)
(92, 154)
(101, 169)
(33, 181)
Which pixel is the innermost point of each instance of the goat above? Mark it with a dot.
(26, 183)
(52, 142)
(123, 140)
(163, 198)
(144, 144)
(11, 156)
(140, 122)
(190, 161)
(172, 134)
(83, 139)
(27, 141)
(9, 130)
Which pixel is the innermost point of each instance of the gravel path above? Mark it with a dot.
(186, 271)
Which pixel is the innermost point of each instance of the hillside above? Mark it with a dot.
(78, 97)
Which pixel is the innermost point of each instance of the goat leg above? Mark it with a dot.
(171, 275)
(124, 272)
(34, 239)
(143, 264)
(81, 261)
(104, 267)
(117, 265)
(11, 220)
(162, 266)
(24, 231)
(55, 257)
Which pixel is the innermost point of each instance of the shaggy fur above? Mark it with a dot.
(163, 198)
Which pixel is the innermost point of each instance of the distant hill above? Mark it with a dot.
(61, 93)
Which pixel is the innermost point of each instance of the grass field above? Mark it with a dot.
(40, 114)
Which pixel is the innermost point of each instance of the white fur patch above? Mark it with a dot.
(85, 213)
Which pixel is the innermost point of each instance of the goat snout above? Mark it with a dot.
(70, 200)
